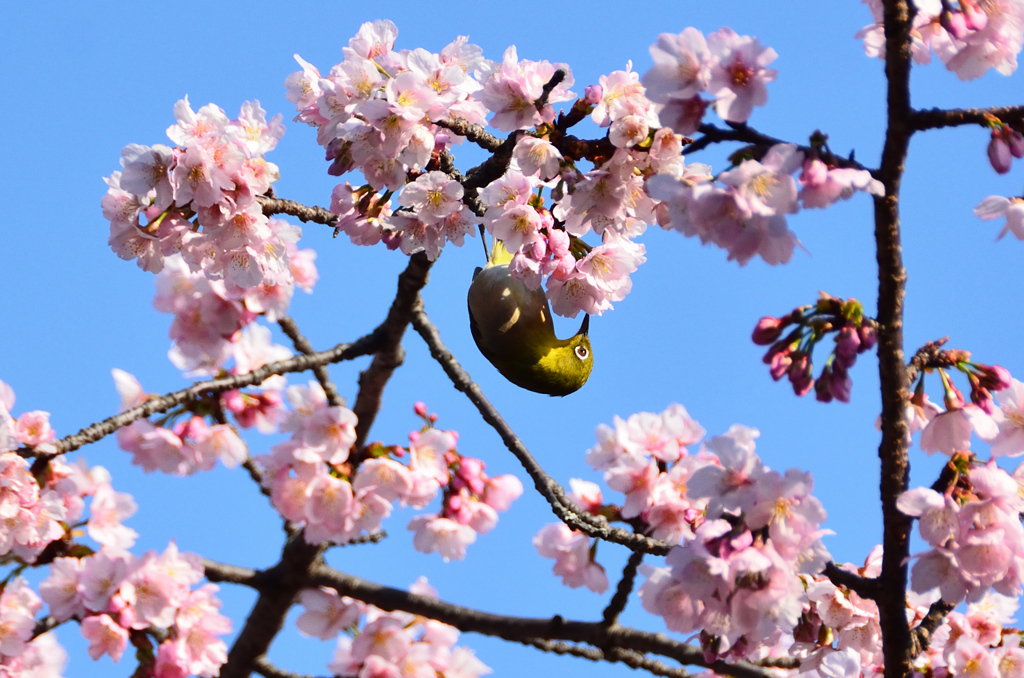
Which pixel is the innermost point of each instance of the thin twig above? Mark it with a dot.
(562, 506)
(618, 602)
(302, 345)
(90, 434)
(548, 88)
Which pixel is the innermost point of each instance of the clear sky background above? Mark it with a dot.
(81, 80)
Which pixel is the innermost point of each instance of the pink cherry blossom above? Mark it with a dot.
(996, 206)
(106, 513)
(573, 562)
(738, 73)
(105, 636)
(326, 613)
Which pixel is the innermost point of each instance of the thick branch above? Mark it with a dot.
(892, 277)
(936, 118)
(865, 588)
(921, 635)
(265, 668)
(562, 506)
(390, 354)
(279, 585)
(475, 133)
(303, 213)
(523, 629)
(301, 363)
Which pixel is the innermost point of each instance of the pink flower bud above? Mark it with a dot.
(982, 397)
(868, 336)
(974, 17)
(1016, 141)
(847, 346)
(823, 386)
(999, 153)
(767, 330)
(420, 408)
(994, 377)
(800, 375)
(593, 94)
(954, 23)
(780, 363)
(841, 385)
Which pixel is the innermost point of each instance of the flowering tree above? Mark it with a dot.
(747, 587)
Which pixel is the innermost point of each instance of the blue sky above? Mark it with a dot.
(83, 80)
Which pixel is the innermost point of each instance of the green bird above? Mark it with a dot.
(512, 327)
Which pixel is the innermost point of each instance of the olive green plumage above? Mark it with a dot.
(512, 327)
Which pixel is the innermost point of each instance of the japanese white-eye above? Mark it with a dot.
(512, 327)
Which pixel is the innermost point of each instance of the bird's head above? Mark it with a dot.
(567, 364)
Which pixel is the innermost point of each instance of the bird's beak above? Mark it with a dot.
(585, 327)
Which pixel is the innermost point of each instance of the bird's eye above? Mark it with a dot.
(581, 352)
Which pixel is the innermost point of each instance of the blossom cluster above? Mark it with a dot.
(791, 356)
(316, 481)
(21, 654)
(996, 420)
(969, 36)
(181, 448)
(386, 644)
(744, 211)
(975, 534)
(731, 68)
(743, 534)
(36, 511)
(119, 598)
(737, 580)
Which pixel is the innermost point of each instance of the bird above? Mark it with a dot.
(512, 327)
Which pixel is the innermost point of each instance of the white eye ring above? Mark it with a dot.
(581, 352)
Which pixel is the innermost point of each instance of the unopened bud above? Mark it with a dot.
(593, 94)
(974, 17)
(999, 153)
(823, 386)
(994, 377)
(767, 330)
(780, 363)
(868, 336)
(982, 397)
(847, 346)
(954, 23)
(420, 408)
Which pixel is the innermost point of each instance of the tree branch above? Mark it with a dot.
(892, 277)
(921, 635)
(862, 586)
(475, 133)
(279, 585)
(937, 118)
(618, 602)
(94, 432)
(523, 629)
(302, 345)
(563, 507)
(302, 212)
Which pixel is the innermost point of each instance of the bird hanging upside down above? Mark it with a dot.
(512, 327)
